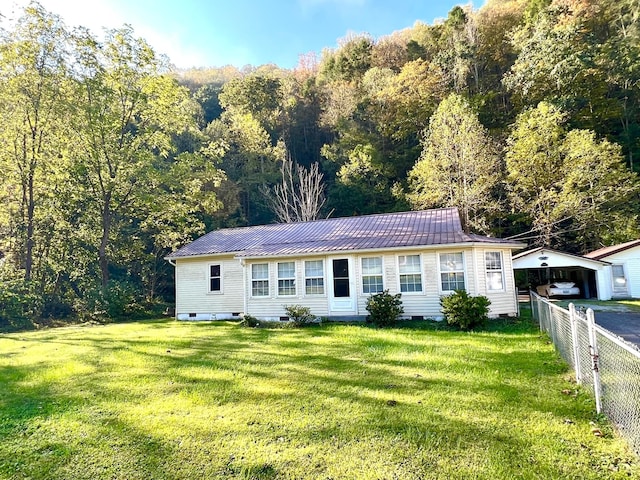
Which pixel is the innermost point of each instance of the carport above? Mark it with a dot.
(540, 265)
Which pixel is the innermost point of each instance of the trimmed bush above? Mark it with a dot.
(299, 315)
(384, 309)
(464, 311)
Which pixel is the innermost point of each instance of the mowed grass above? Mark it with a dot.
(172, 400)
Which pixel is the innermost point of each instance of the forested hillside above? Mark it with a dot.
(524, 114)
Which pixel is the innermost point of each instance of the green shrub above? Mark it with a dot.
(249, 321)
(464, 311)
(118, 300)
(299, 315)
(384, 309)
(20, 304)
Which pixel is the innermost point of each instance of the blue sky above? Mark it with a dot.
(201, 33)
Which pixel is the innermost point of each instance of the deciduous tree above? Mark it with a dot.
(458, 166)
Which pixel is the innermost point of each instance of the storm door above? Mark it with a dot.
(342, 294)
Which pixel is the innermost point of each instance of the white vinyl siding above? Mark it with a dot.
(410, 273)
(314, 277)
(372, 275)
(260, 280)
(494, 271)
(452, 272)
(630, 260)
(193, 283)
(286, 279)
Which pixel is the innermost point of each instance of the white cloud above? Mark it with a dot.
(96, 15)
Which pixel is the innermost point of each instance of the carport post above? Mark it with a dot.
(593, 348)
(574, 343)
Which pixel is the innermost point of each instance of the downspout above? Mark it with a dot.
(243, 264)
(175, 283)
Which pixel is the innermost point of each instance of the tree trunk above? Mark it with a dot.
(104, 241)
(28, 268)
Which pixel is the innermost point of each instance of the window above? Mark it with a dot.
(215, 278)
(286, 278)
(341, 288)
(410, 273)
(493, 266)
(619, 280)
(314, 277)
(260, 280)
(372, 275)
(451, 271)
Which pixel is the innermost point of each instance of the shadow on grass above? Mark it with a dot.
(330, 387)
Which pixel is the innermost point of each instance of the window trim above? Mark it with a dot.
(261, 280)
(464, 271)
(210, 277)
(314, 277)
(420, 272)
(488, 270)
(363, 275)
(295, 286)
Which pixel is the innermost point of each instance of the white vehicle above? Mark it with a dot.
(558, 289)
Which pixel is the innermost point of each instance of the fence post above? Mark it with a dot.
(593, 349)
(574, 342)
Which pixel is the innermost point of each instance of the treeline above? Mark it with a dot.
(525, 114)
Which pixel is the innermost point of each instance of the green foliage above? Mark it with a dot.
(120, 164)
(118, 300)
(21, 303)
(384, 309)
(458, 167)
(568, 178)
(465, 311)
(299, 315)
(249, 321)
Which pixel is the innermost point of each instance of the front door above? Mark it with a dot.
(342, 292)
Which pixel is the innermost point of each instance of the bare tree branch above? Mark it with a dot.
(300, 195)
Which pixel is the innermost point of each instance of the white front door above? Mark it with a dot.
(342, 295)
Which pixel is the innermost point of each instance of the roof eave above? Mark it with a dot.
(440, 246)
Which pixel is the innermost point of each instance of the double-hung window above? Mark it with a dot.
(493, 266)
(410, 273)
(286, 279)
(215, 278)
(314, 277)
(372, 275)
(260, 280)
(452, 271)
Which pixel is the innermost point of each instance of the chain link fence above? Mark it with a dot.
(600, 359)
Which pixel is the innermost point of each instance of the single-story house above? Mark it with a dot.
(332, 266)
(624, 259)
(542, 265)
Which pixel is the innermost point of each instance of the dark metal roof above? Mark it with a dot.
(606, 251)
(392, 230)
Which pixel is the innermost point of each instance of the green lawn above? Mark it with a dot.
(167, 400)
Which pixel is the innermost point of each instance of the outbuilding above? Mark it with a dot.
(542, 265)
(624, 259)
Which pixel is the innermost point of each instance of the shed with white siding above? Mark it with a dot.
(625, 268)
(334, 265)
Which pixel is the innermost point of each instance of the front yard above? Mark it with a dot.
(163, 399)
